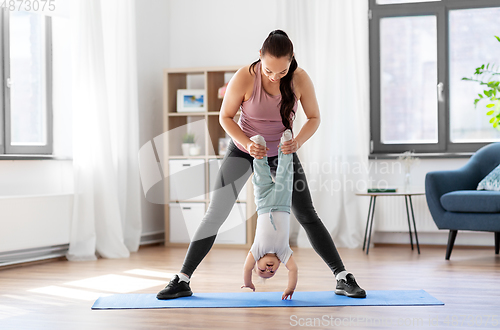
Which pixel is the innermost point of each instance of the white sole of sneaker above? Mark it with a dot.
(345, 293)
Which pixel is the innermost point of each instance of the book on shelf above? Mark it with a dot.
(382, 190)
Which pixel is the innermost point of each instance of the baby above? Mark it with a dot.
(271, 246)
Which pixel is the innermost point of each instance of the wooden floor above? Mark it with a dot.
(58, 295)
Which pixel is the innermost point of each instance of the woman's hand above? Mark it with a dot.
(256, 150)
(289, 147)
(250, 286)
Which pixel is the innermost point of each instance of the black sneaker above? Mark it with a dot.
(349, 288)
(175, 289)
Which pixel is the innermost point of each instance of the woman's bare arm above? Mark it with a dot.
(235, 95)
(307, 96)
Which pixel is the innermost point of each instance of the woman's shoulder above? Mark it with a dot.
(244, 75)
(300, 76)
(246, 72)
(301, 81)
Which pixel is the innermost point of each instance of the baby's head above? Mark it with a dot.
(267, 266)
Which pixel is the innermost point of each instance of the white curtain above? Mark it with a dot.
(106, 216)
(331, 43)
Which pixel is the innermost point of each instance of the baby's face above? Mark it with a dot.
(267, 265)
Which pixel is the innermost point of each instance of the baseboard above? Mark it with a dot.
(434, 246)
(152, 238)
(28, 256)
(437, 238)
(32, 256)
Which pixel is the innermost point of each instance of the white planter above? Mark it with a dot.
(194, 150)
(186, 147)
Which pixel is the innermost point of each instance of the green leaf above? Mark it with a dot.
(495, 125)
(464, 78)
(475, 101)
(497, 38)
(491, 105)
(492, 120)
(489, 113)
(480, 95)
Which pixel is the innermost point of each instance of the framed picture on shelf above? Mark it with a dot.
(191, 100)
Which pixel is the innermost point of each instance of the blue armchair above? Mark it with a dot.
(454, 202)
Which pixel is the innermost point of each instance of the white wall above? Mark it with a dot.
(153, 53)
(219, 32)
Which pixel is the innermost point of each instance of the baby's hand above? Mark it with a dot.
(286, 294)
(250, 286)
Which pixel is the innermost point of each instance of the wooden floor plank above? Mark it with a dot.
(32, 297)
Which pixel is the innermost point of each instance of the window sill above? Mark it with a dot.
(436, 155)
(31, 157)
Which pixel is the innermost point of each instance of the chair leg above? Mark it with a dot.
(451, 242)
(497, 242)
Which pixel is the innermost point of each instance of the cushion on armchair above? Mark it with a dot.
(491, 181)
(471, 201)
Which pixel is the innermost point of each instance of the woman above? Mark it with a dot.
(267, 91)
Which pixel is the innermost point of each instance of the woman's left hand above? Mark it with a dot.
(289, 147)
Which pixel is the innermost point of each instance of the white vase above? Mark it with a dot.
(407, 184)
(194, 150)
(186, 147)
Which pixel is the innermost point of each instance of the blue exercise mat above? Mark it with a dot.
(267, 299)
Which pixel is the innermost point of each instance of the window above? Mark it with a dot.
(419, 52)
(26, 83)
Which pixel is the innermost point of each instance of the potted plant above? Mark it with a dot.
(487, 75)
(189, 147)
(187, 142)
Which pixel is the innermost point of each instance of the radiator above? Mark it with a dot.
(34, 227)
(390, 215)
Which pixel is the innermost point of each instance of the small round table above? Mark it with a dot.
(371, 212)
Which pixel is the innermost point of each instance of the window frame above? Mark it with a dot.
(441, 10)
(6, 149)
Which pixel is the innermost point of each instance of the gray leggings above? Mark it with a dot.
(236, 168)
